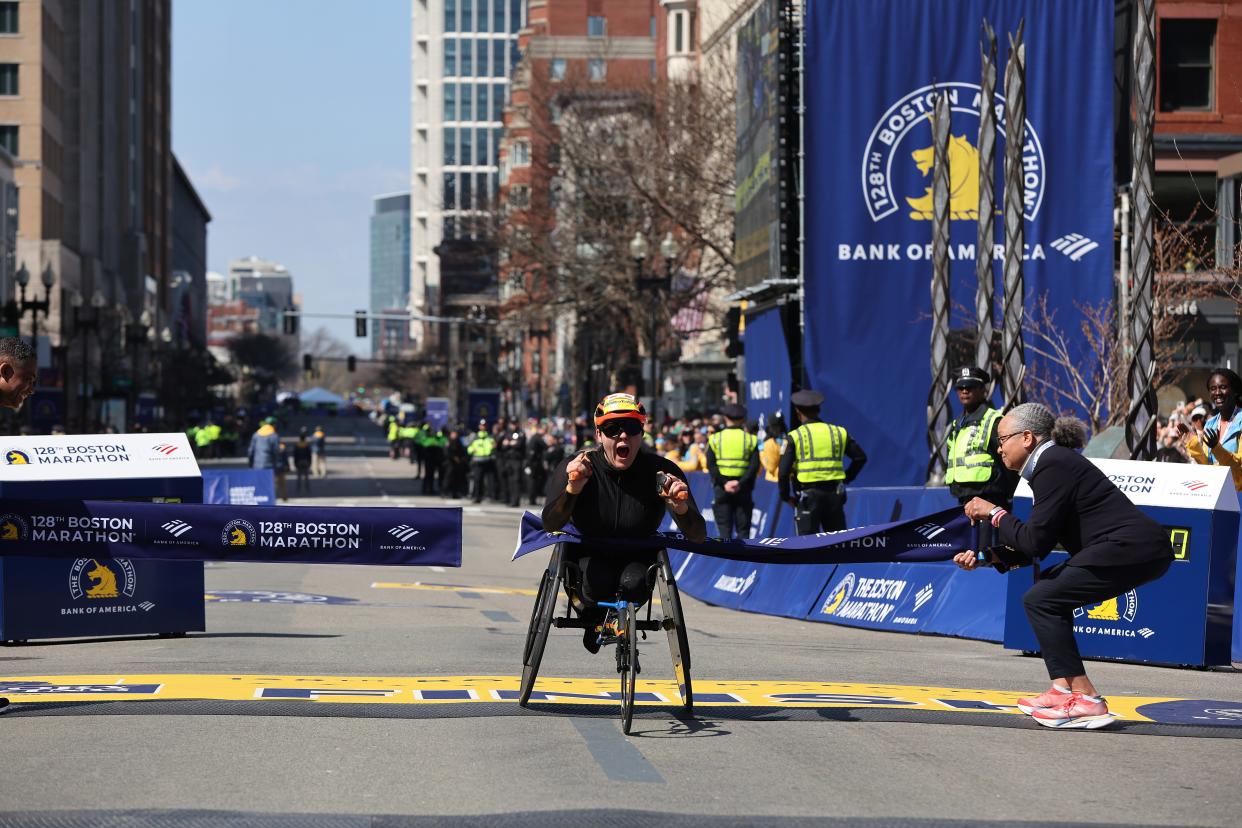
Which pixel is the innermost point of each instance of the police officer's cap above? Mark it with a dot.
(734, 411)
(807, 399)
(971, 376)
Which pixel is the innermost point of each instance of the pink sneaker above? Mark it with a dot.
(1076, 712)
(1049, 698)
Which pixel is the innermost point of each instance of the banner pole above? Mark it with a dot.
(986, 239)
(1014, 356)
(938, 395)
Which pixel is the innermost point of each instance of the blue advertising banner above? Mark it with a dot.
(482, 405)
(873, 71)
(438, 412)
(768, 375)
(89, 529)
(239, 487)
(47, 408)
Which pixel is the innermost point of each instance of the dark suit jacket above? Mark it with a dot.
(1077, 506)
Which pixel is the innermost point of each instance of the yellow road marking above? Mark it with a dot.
(475, 689)
(455, 588)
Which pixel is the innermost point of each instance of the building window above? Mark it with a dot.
(450, 15)
(498, 16)
(679, 33)
(450, 146)
(556, 69)
(450, 102)
(480, 18)
(467, 15)
(520, 154)
(652, 68)
(450, 57)
(499, 69)
(450, 191)
(8, 78)
(8, 17)
(465, 104)
(519, 195)
(515, 14)
(1187, 58)
(467, 148)
(498, 102)
(466, 63)
(480, 102)
(653, 27)
(8, 138)
(597, 69)
(596, 26)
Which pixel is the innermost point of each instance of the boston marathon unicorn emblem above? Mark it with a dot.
(105, 582)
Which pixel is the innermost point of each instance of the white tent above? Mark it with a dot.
(321, 396)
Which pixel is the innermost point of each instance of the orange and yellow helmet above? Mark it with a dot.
(619, 407)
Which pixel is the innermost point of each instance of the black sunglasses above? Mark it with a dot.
(615, 428)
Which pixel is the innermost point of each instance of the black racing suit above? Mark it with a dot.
(615, 504)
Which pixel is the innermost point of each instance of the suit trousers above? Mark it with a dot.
(820, 507)
(1051, 602)
(732, 512)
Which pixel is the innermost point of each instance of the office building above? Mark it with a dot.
(463, 55)
(390, 273)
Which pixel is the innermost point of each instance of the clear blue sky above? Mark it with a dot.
(290, 116)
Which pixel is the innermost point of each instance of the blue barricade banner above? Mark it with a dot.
(934, 537)
(239, 487)
(873, 71)
(768, 375)
(293, 534)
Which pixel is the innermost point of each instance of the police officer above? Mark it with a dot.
(733, 463)
(482, 451)
(513, 461)
(537, 462)
(394, 436)
(975, 466)
(815, 455)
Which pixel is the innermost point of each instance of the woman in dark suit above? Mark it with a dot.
(1113, 548)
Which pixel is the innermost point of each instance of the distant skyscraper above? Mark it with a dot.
(463, 56)
(390, 271)
(265, 287)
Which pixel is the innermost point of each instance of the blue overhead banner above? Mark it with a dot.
(93, 529)
(239, 487)
(873, 69)
(768, 374)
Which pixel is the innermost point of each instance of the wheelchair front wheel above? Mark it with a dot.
(627, 663)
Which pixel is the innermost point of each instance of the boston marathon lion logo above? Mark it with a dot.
(963, 181)
(8, 531)
(105, 582)
(16, 458)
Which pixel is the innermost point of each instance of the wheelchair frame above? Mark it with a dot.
(544, 618)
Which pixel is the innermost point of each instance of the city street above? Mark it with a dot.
(308, 694)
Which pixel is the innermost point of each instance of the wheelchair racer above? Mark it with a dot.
(611, 491)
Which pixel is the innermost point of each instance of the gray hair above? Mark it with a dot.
(1070, 432)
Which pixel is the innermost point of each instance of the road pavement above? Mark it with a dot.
(275, 747)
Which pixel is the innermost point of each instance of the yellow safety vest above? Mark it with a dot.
(481, 446)
(969, 460)
(820, 451)
(733, 448)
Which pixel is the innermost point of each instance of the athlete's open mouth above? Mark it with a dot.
(623, 451)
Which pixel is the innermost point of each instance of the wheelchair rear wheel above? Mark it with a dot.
(627, 663)
(541, 622)
(675, 627)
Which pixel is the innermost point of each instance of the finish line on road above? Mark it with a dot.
(710, 696)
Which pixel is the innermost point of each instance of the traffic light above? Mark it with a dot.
(351, 363)
(733, 339)
(291, 322)
(360, 325)
(307, 364)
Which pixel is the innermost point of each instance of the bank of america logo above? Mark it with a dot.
(929, 530)
(165, 448)
(403, 533)
(146, 606)
(923, 596)
(1147, 632)
(1074, 245)
(1194, 485)
(177, 528)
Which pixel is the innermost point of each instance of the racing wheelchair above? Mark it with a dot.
(622, 626)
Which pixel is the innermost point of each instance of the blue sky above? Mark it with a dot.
(290, 116)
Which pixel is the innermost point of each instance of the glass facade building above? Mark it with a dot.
(390, 270)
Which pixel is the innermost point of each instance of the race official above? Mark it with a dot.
(814, 457)
(1113, 548)
(733, 463)
(975, 467)
(482, 451)
(19, 369)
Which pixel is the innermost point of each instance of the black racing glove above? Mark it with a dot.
(1210, 437)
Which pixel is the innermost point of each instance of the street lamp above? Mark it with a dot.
(35, 306)
(657, 285)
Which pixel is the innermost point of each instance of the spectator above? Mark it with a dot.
(302, 461)
(1218, 444)
(319, 451)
